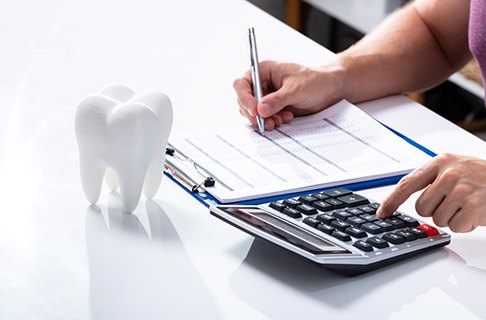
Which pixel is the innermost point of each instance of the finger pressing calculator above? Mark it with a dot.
(337, 228)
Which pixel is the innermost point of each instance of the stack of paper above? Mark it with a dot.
(338, 146)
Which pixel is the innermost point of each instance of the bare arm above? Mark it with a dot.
(415, 48)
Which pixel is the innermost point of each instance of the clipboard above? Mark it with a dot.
(188, 175)
(195, 180)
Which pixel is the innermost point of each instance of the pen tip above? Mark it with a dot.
(261, 125)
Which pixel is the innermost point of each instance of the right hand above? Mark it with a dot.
(289, 90)
(454, 192)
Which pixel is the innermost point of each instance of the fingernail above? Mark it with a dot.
(378, 213)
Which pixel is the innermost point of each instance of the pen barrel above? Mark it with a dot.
(255, 71)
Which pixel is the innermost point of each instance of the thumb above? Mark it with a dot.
(272, 103)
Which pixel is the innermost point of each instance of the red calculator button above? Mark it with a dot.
(431, 231)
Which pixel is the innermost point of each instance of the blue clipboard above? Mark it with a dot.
(207, 200)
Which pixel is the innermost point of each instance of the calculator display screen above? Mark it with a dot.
(282, 229)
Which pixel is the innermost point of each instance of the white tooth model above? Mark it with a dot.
(125, 136)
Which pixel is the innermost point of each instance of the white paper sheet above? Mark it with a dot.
(337, 146)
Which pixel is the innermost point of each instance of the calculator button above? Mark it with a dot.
(367, 209)
(325, 228)
(335, 203)
(354, 211)
(374, 205)
(277, 206)
(308, 199)
(384, 225)
(322, 206)
(409, 221)
(431, 231)
(311, 222)
(337, 192)
(369, 217)
(362, 245)
(320, 196)
(293, 203)
(372, 228)
(325, 218)
(354, 200)
(342, 215)
(306, 209)
(408, 235)
(396, 223)
(394, 238)
(356, 221)
(340, 225)
(377, 242)
(419, 233)
(292, 212)
(341, 235)
(355, 232)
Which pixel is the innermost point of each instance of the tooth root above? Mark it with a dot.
(131, 183)
(111, 179)
(91, 178)
(161, 106)
(153, 177)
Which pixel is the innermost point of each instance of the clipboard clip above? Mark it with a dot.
(186, 172)
(208, 182)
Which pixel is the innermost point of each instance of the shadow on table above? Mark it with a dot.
(139, 268)
(283, 285)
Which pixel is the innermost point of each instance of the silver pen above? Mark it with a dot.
(255, 76)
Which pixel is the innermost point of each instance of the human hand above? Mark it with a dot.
(454, 195)
(289, 90)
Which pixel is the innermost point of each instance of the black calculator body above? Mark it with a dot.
(336, 228)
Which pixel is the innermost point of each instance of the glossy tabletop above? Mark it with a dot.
(63, 259)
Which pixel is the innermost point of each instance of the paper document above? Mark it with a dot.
(339, 145)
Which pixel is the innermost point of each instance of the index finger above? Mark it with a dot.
(244, 91)
(409, 184)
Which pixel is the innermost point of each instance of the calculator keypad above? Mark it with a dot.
(351, 218)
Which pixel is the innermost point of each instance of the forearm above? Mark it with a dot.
(414, 49)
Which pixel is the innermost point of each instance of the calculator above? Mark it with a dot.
(335, 228)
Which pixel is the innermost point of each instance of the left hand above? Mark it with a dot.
(454, 195)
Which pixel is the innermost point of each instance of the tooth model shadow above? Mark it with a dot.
(139, 267)
(124, 136)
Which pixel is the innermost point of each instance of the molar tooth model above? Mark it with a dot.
(124, 136)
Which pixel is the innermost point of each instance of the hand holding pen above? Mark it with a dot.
(272, 93)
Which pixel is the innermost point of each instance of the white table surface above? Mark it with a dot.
(62, 259)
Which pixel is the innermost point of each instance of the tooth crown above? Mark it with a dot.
(124, 136)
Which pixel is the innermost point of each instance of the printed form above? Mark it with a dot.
(337, 146)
